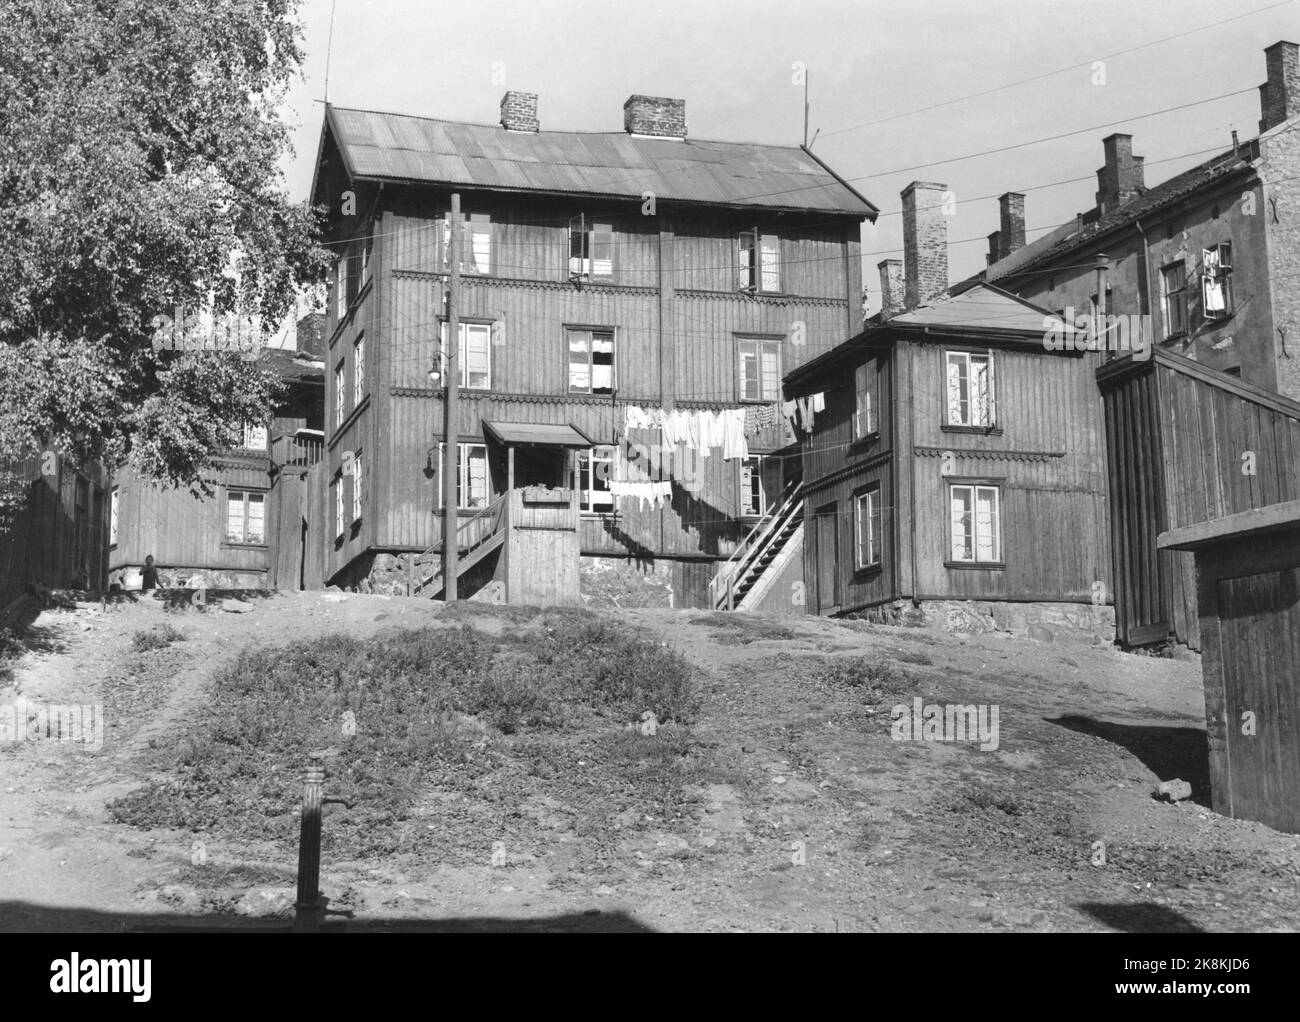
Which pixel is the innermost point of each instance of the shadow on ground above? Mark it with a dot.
(1168, 752)
(25, 917)
(1140, 918)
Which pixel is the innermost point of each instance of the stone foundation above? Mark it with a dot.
(620, 582)
(389, 574)
(1046, 622)
(194, 578)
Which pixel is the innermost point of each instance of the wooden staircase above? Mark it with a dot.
(476, 536)
(754, 556)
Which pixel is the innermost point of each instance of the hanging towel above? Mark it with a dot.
(717, 430)
(819, 401)
(735, 445)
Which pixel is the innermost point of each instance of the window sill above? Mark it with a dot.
(228, 545)
(976, 565)
(974, 430)
(863, 442)
(862, 572)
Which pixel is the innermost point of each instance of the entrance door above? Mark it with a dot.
(826, 557)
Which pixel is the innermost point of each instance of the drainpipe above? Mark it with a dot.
(1144, 283)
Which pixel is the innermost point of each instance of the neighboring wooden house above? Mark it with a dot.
(56, 538)
(956, 460)
(248, 533)
(608, 278)
(1185, 445)
(1248, 571)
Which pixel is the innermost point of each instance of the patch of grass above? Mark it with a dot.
(740, 629)
(156, 638)
(411, 713)
(877, 676)
(11, 648)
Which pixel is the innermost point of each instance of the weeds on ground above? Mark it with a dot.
(156, 638)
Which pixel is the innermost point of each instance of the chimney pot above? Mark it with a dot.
(892, 287)
(655, 115)
(925, 242)
(519, 111)
(1279, 97)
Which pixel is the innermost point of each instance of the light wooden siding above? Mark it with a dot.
(857, 589)
(181, 530)
(812, 255)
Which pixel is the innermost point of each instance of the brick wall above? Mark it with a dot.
(655, 115)
(925, 242)
(519, 111)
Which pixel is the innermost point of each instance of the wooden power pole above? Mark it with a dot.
(451, 433)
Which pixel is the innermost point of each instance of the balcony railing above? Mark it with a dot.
(300, 451)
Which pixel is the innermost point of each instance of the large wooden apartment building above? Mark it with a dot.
(631, 301)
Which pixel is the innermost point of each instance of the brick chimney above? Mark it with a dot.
(995, 247)
(925, 242)
(1123, 176)
(655, 115)
(891, 287)
(1279, 97)
(1011, 214)
(519, 111)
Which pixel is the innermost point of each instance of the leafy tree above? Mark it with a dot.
(139, 143)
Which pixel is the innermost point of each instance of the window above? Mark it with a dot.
(591, 249)
(254, 437)
(758, 261)
(340, 288)
(358, 370)
(339, 523)
(1173, 298)
(760, 485)
(976, 533)
(1216, 281)
(594, 469)
(474, 355)
(472, 489)
(365, 257)
(245, 517)
(760, 370)
(475, 243)
(970, 389)
(340, 397)
(112, 517)
(866, 528)
(356, 486)
(864, 405)
(591, 361)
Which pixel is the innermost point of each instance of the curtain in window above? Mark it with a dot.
(771, 263)
(958, 397)
(256, 531)
(235, 518)
(986, 524)
(981, 391)
(962, 539)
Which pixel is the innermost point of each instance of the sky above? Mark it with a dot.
(873, 68)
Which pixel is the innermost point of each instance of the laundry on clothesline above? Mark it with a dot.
(653, 493)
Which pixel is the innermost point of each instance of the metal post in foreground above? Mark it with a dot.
(307, 910)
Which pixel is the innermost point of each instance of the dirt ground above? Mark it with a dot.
(828, 823)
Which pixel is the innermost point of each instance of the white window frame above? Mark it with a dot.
(466, 328)
(254, 437)
(463, 480)
(246, 501)
(591, 249)
(992, 528)
(870, 520)
(758, 262)
(970, 421)
(340, 393)
(589, 336)
(341, 288)
(590, 469)
(476, 246)
(755, 348)
(340, 523)
(752, 470)
(358, 370)
(1216, 266)
(865, 386)
(356, 486)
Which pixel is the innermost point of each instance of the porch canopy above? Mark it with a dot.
(515, 434)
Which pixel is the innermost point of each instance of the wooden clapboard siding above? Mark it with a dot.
(182, 530)
(1177, 433)
(46, 541)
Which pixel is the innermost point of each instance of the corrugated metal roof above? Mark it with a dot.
(548, 434)
(406, 148)
(980, 308)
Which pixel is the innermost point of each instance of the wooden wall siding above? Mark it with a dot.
(1137, 510)
(833, 447)
(857, 589)
(40, 543)
(181, 530)
(702, 524)
(542, 567)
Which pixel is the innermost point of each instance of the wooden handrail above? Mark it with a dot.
(492, 509)
(735, 566)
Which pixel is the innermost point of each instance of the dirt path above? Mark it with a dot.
(823, 822)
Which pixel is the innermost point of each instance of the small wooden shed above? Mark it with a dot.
(1248, 587)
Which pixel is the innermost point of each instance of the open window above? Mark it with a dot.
(1173, 298)
(866, 528)
(758, 262)
(591, 361)
(1216, 281)
(475, 243)
(865, 400)
(591, 250)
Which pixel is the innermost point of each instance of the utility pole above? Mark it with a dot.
(805, 108)
(451, 434)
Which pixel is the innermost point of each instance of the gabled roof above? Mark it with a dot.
(971, 309)
(399, 147)
(1074, 234)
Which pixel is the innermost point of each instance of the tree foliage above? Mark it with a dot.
(139, 149)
